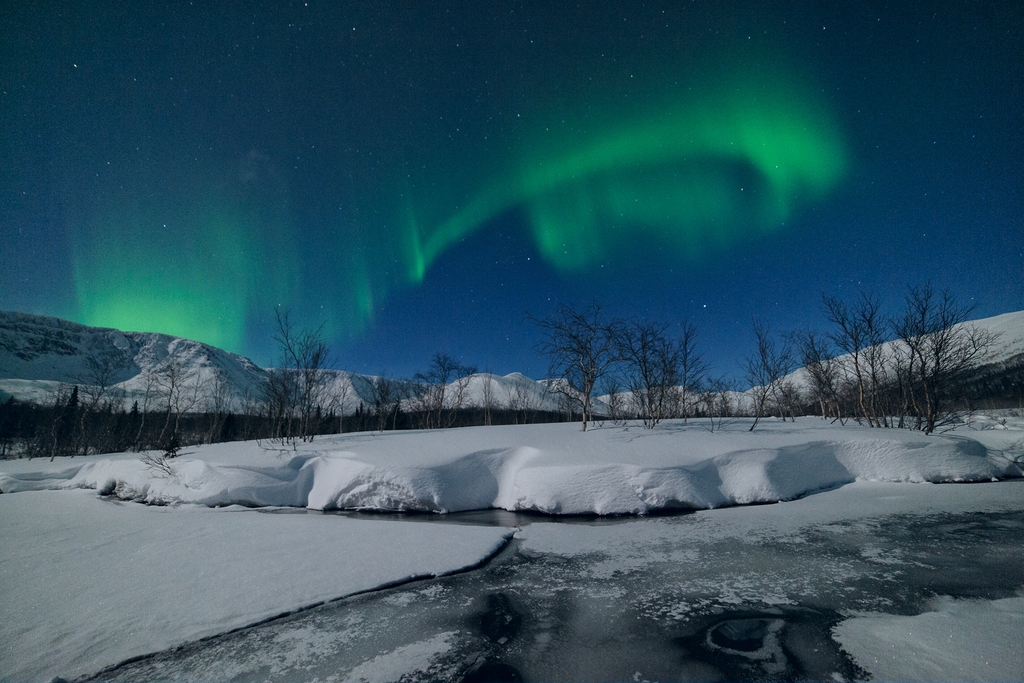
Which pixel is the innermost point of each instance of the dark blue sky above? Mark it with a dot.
(419, 176)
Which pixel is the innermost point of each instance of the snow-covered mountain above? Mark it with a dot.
(999, 374)
(38, 353)
(1010, 328)
(1005, 357)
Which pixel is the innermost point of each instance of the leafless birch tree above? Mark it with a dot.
(581, 346)
(765, 369)
(941, 347)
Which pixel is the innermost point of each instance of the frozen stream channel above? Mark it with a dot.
(751, 593)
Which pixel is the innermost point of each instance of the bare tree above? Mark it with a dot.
(616, 402)
(306, 356)
(149, 393)
(851, 338)
(692, 367)
(651, 363)
(868, 311)
(386, 400)
(822, 372)
(218, 404)
(339, 398)
(902, 370)
(581, 346)
(487, 398)
(765, 369)
(96, 382)
(278, 398)
(716, 401)
(941, 347)
(522, 400)
(859, 334)
(788, 399)
(65, 407)
(179, 386)
(440, 391)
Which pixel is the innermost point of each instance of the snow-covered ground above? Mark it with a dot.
(88, 582)
(551, 468)
(958, 640)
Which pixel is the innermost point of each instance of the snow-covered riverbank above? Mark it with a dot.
(552, 468)
(88, 583)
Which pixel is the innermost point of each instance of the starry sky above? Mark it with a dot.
(417, 177)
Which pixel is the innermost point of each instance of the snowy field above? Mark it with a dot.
(90, 581)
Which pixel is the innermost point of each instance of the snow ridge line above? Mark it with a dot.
(606, 474)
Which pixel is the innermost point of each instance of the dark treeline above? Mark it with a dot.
(178, 406)
(33, 430)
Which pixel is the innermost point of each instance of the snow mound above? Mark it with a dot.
(552, 469)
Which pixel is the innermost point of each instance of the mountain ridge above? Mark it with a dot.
(38, 353)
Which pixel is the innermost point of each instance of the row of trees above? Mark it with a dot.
(913, 379)
(180, 405)
(304, 388)
(905, 370)
(661, 372)
(179, 408)
(174, 406)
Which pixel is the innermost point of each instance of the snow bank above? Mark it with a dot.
(546, 468)
(958, 640)
(88, 583)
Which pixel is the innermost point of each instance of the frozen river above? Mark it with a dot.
(748, 593)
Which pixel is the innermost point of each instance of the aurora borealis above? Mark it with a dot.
(673, 175)
(417, 177)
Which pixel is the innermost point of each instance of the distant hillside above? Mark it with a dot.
(38, 353)
(999, 378)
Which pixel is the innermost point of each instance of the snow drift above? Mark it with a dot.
(545, 468)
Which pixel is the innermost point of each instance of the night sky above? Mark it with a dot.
(420, 175)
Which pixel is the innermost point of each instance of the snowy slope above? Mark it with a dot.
(511, 390)
(1007, 351)
(39, 352)
(1010, 328)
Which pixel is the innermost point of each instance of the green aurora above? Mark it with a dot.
(198, 270)
(672, 176)
(688, 176)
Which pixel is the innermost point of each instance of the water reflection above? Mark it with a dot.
(492, 517)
